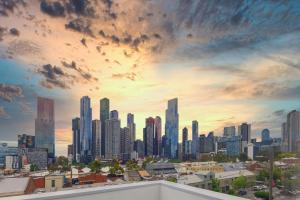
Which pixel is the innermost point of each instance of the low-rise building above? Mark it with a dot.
(161, 169)
(16, 186)
(203, 166)
(54, 182)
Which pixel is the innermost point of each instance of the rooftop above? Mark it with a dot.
(13, 186)
(152, 190)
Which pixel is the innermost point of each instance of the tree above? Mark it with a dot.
(172, 179)
(33, 168)
(147, 161)
(285, 155)
(115, 168)
(262, 194)
(215, 185)
(95, 166)
(132, 165)
(239, 182)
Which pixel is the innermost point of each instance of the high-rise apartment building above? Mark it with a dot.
(285, 138)
(45, 126)
(148, 136)
(86, 155)
(76, 139)
(96, 141)
(104, 115)
(139, 147)
(157, 137)
(171, 128)
(112, 136)
(125, 143)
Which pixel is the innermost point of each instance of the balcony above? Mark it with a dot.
(154, 190)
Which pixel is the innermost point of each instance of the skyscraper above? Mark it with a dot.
(157, 137)
(195, 140)
(265, 137)
(184, 142)
(104, 115)
(76, 139)
(229, 131)
(131, 126)
(44, 126)
(125, 143)
(171, 127)
(112, 136)
(85, 130)
(245, 132)
(293, 131)
(96, 132)
(148, 136)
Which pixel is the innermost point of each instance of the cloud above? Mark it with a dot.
(84, 74)
(279, 113)
(14, 31)
(3, 113)
(55, 8)
(131, 76)
(81, 7)
(80, 25)
(54, 77)
(9, 92)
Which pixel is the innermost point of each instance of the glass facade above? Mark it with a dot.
(104, 115)
(171, 128)
(45, 126)
(85, 130)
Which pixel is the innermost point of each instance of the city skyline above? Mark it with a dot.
(224, 74)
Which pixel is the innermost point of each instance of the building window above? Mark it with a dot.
(52, 183)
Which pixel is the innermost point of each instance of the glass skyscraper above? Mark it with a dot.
(44, 126)
(112, 136)
(131, 126)
(171, 128)
(85, 130)
(157, 137)
(149, 136)
(104, 115)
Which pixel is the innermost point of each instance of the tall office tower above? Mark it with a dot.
(284, 136)
(85, 130)
(112, 136)
(233, 146)
(76, 139)
(265, 137)
(229, 131)
(245, 132)
(44, 126)
(125, 143)
(171, 127)
(26, 141)
(96, 141)
(131, 126)
(293, 130)
(148, 136)
(157, 137)
(104, 115)
(195, 138)
(210, 142)
(139, 148)
(184, 142)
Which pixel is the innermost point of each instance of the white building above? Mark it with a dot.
(152, 190)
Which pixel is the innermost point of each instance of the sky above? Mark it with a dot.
(227, 62)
